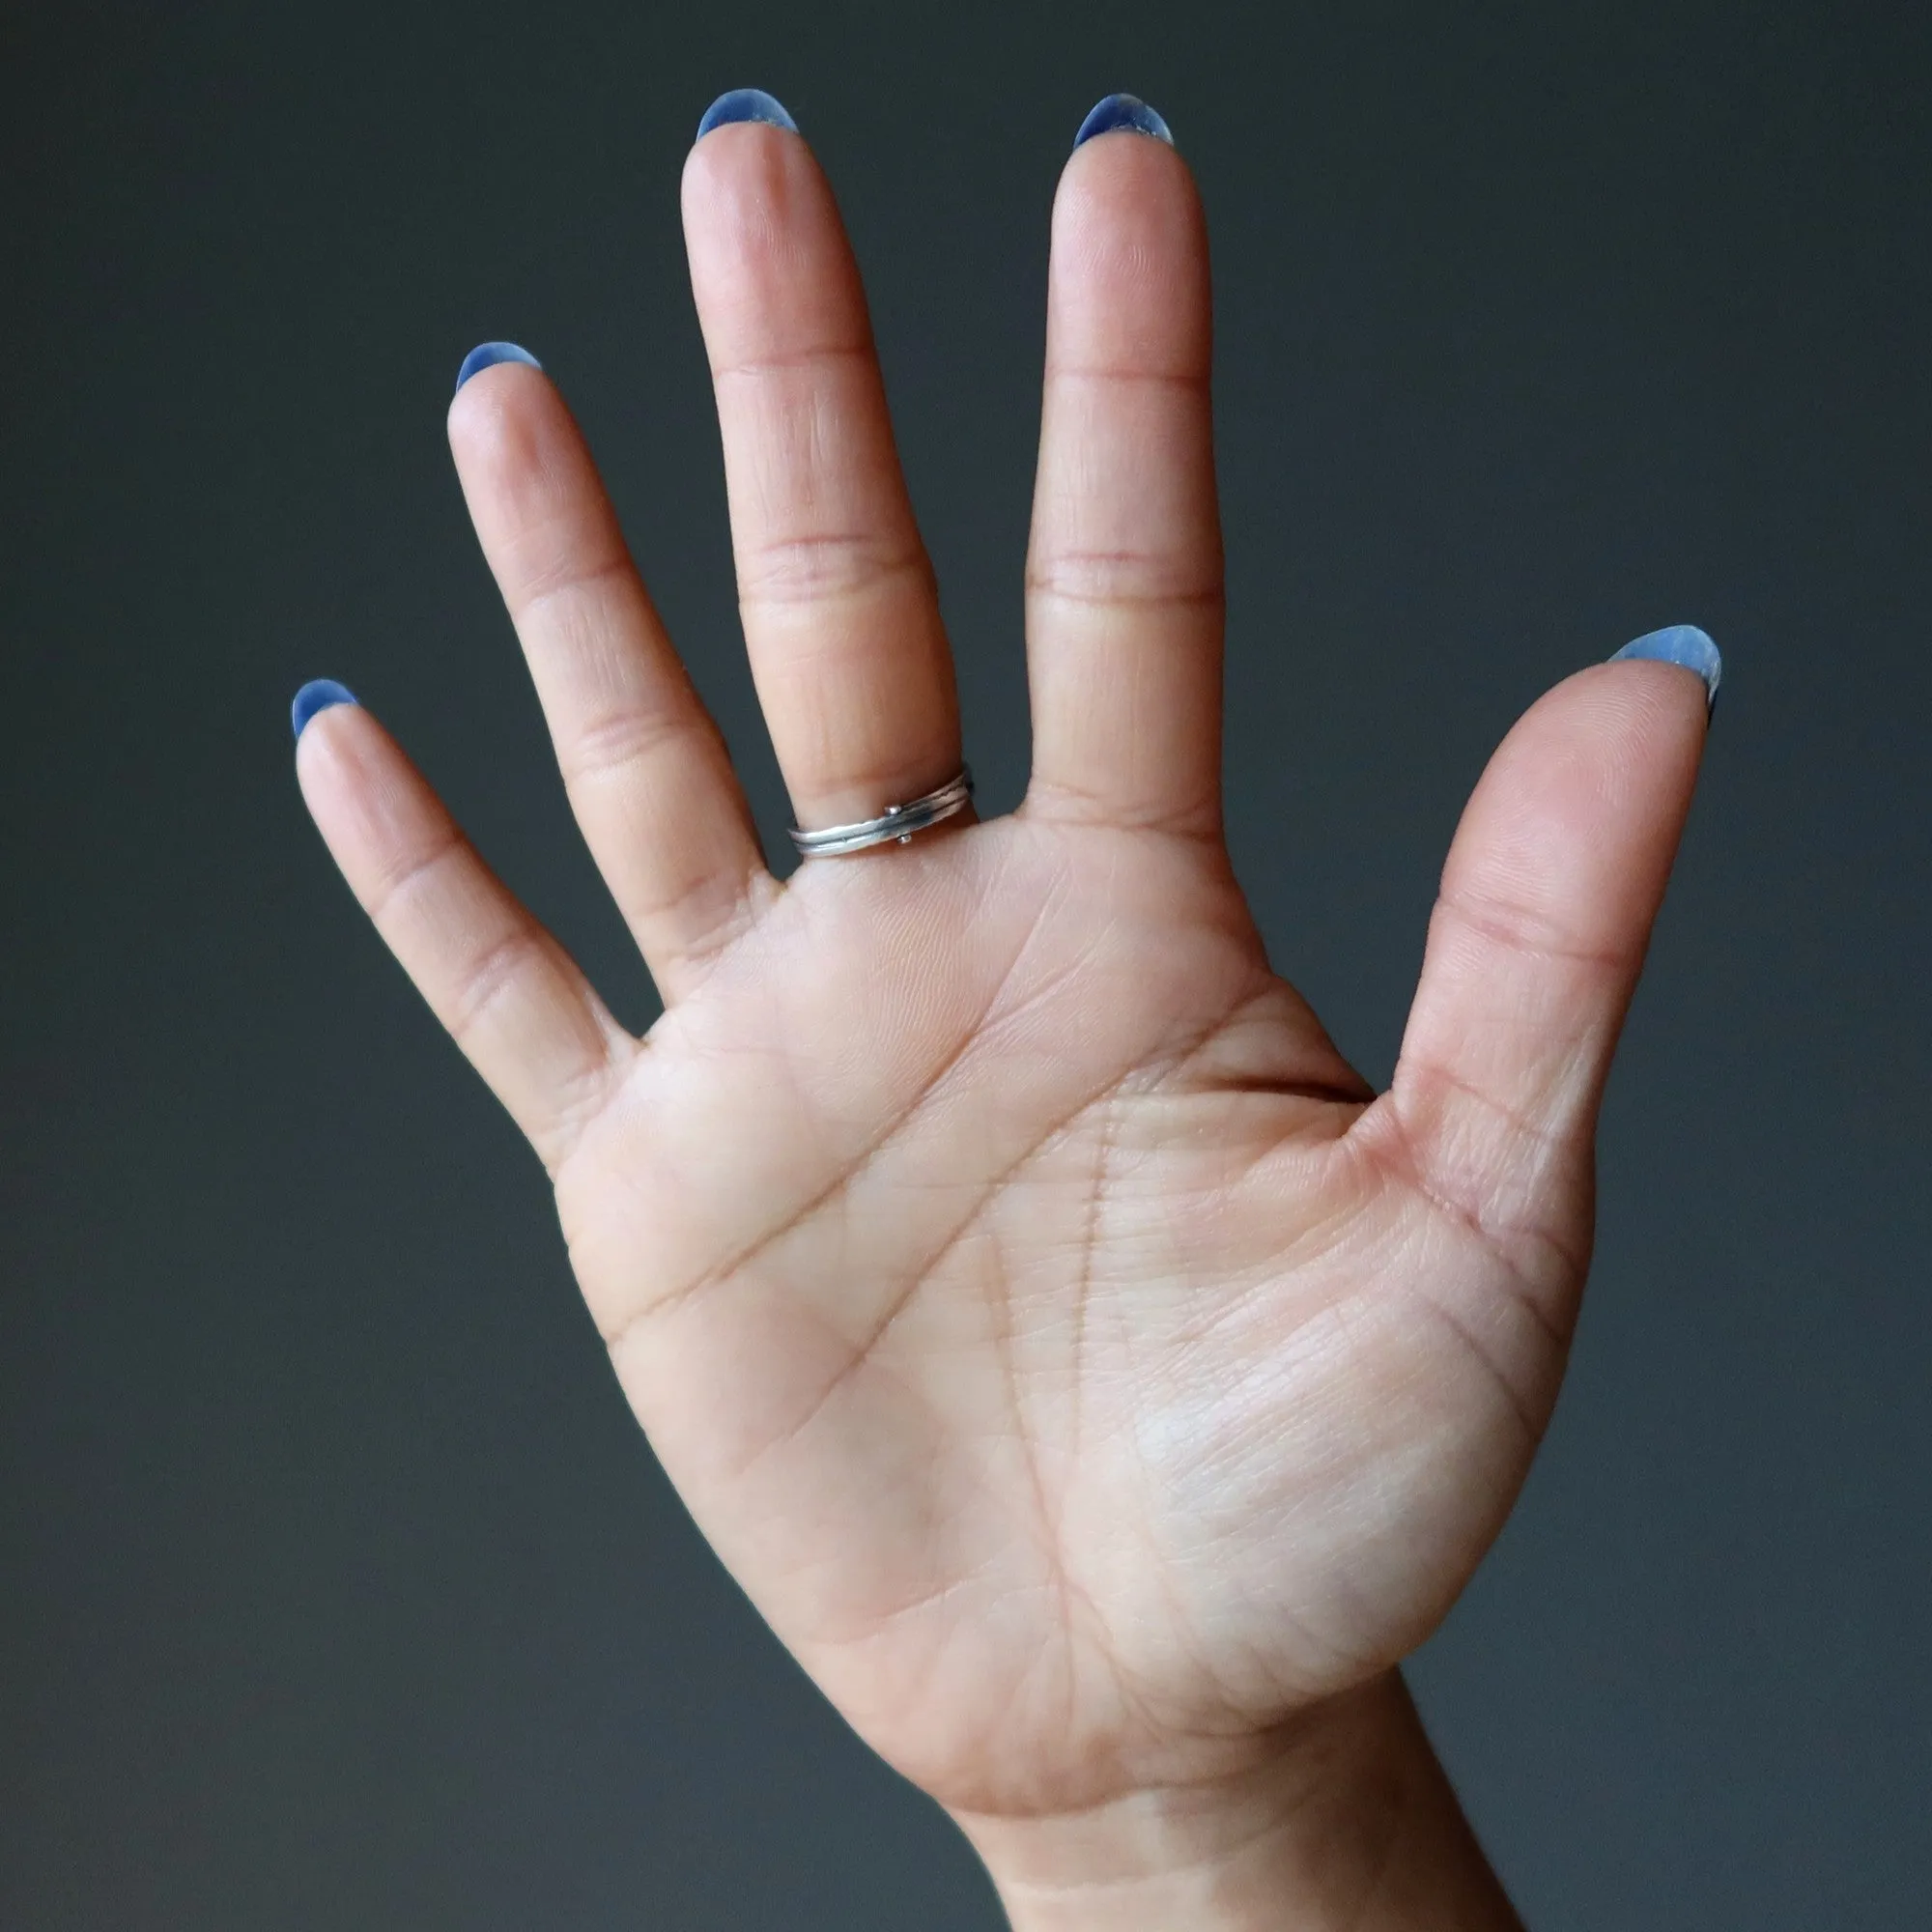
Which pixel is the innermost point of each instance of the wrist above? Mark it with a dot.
(1347, 1822)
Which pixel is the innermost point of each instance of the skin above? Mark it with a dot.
(1096, 1385)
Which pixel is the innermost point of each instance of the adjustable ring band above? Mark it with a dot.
(898, 822)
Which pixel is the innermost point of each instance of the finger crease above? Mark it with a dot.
(812, 568)
(568, 580)
(411, 878)
(782, 361)
(1493, 1239)
(1122, 581)
(1519, 930)
(487, 977)
(623, 738)
(1190, 382)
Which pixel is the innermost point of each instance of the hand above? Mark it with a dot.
(1093, 1381)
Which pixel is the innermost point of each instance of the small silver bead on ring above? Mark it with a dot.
(894, 825)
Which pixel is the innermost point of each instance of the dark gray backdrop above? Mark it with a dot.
(339, 1589)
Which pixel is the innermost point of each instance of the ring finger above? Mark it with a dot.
(840, 615)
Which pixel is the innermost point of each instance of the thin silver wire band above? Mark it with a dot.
(896, 823)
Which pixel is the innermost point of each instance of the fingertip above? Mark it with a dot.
(1124, 114)
(763, 236)
(489, 355)
(1128, 276)
(742, 183)
(331, 752)
(514, 443)
(336, 736)
(1617, 737)
(1577, 815)
(317, 695)
(1684, 645)
(483, 407)
(1129, 205)
(1153, 158)
(1643, 731)
(739, 104)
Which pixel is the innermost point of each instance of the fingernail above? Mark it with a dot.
(1681, 644)
(318, 694)
(746, 103)
(486, 355)
(1126, 112)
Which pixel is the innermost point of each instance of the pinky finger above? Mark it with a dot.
(510, 996)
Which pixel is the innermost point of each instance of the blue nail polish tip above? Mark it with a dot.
(746, 103)
(1123, 112)
(318, 694)
(1681, 644)
(487, 354)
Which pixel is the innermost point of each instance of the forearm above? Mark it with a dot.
(1351, 1825)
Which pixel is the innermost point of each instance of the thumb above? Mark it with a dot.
(1546, 902)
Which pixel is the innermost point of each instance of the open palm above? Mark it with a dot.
(1077, 1364)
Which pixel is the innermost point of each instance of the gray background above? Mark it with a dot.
(339, 1590)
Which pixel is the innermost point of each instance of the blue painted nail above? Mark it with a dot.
(746, 103)
(1681, 644)
(317, 695)
(1128, 112)
(487, 354)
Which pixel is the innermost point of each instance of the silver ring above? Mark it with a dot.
(897, 822)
